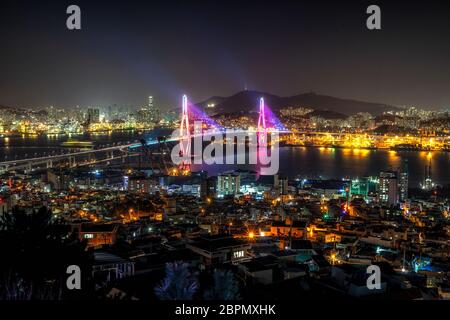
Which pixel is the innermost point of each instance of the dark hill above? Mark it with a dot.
(248, 101)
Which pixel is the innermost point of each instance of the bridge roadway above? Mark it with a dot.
(40, 160)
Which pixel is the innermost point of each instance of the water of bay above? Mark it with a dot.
(294, 161)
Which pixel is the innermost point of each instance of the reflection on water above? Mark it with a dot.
(344, 163)
(340, 163)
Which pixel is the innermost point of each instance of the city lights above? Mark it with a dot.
(200, 157)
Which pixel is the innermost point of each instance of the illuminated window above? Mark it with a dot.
(238, 254)
(88, 236)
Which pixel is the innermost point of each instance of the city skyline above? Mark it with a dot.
(121, 55)
(201, 103)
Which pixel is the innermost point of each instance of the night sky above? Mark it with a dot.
(128, 50)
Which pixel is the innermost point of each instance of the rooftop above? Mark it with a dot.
(217, 242)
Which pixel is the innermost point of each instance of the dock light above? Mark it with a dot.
(251, 235)
(262, 234)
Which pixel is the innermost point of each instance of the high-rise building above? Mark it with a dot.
(228, 184)
(154, 115)
(211, 186)
(403, 183)
(280, 185)
(148, 115)
(93, 115)
(150, 102)
(388, 192)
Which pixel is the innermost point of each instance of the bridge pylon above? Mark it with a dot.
(262, 129)
(185, 139)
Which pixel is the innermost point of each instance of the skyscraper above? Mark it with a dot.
(148, 115)
(403, 183)
(153, 111)
(150, 102)
(388, 192)
(280, 185)
(93, 115)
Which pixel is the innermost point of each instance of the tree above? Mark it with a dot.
(15, 289)
(225, 287)
(35, 250)
(179, 283)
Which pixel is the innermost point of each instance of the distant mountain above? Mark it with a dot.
(248, 101)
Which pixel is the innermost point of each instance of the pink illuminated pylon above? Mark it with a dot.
(184, 126)
(185, 135)
(262, 116)
(261, 133)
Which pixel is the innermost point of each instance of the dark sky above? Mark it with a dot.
(128, 50)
